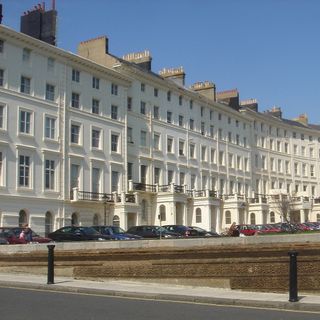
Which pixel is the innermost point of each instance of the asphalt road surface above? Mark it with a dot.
(22, 304)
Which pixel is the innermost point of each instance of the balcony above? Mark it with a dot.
(300, 199)
(112, 198)
(139, 186)
(261, 199)
(202, 193)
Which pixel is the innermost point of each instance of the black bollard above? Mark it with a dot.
(50, 263)
(293, 277)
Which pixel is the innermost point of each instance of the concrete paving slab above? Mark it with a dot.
(147, 290)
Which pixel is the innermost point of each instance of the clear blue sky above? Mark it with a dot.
(267, 49)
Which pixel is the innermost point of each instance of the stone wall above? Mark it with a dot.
(247, 266)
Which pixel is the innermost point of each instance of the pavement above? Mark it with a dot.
(164, 292)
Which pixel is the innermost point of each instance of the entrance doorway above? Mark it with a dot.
(179, 213)
(131, 219)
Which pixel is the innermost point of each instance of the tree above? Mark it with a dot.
(284, 206)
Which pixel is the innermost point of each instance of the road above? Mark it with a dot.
(17, 304)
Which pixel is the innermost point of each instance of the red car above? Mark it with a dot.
(267, 228)
(11, 234)
(247, 229)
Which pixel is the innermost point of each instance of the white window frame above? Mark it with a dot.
(3, 117)
(95, 83)
(170, 144)
(95, 106)
(156, 141)
(114, 89)
(112, 142)
(79, 125)
(26, 54)
(25, 84)
(28, 129)
(29, 185)
(143, 138)
(75, 103)
(95, 129)
(51, 174)
(79, 177)
(50, 94)
(52, 130)
(75, 75)
(114, 112)
(2, 167)
(1, 77)
(181, 150)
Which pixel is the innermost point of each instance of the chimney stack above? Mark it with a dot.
(303, 118)
(276, 112)
(251, 104)
(229, 97)
(206, 88)
(175, 74)
(40, 24)
(142, 59)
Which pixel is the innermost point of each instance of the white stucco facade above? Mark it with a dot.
(96, 139)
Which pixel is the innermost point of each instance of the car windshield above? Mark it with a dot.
(88, 230)
(199, 229)
(117, 230)
(160, 229)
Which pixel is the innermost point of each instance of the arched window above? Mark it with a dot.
(75, 219)
(198, 215)
(96, 219)
(116, 221)
(228, 217)
(23, 219)
(318, 217)
(252, 218)
(163, 213)
(272, 217)
(48, 223)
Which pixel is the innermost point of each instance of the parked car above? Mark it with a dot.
(204, 233)
(182, 230)
(312, 225)
(287, 227)
(3, 240)
(267, 228)
(152, 232)
(247, 229)
(72, 233)
(11, 234)
(116, 233)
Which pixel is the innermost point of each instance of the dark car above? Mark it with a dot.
(12, 235)
(77, 234)
(3, 240)
(116, 233)
(204, 233)
(152, 232)
(182, 230)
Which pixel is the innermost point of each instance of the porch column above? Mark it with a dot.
(218, 219)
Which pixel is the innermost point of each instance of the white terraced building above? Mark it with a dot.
(91, 138)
